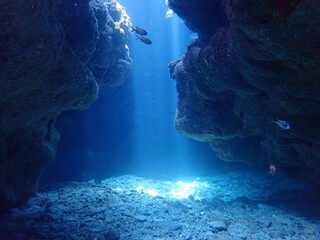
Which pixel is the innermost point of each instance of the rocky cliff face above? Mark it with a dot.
(54, 55)
(254, 62)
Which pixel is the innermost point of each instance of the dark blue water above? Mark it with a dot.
(130, 129)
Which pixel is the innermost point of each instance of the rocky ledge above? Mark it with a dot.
(54, 55)
(254, 63)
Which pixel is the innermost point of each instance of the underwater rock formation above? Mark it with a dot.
(54, 55)
(254, 63)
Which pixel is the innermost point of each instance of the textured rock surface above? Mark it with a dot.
(230, 207)
(53, 56)
(253, 63)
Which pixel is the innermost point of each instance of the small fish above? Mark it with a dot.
(139, 31)
(169, 14)
(272, 169)
(283, 124)
(144, 39)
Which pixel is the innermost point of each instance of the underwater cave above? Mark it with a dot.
(164, 119)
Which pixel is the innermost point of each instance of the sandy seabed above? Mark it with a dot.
(233, 205)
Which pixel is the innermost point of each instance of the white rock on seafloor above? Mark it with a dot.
(218, 225)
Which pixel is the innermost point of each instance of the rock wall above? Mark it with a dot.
(54, 55)
(254, 62)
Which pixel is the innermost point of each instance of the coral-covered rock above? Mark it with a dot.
(210, 11)
(259, 67)
(53, 56)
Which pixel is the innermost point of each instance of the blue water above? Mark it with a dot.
(130, 129)
(127, 139)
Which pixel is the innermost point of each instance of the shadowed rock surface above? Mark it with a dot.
(54, 55)
(254, 62)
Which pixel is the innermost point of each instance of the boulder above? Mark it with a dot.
(253, 63)
(54, 55)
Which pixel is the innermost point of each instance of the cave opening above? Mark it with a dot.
(130, 128)
(124, 168)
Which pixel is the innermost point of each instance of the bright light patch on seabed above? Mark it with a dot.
(183, 189)
(178, 190)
